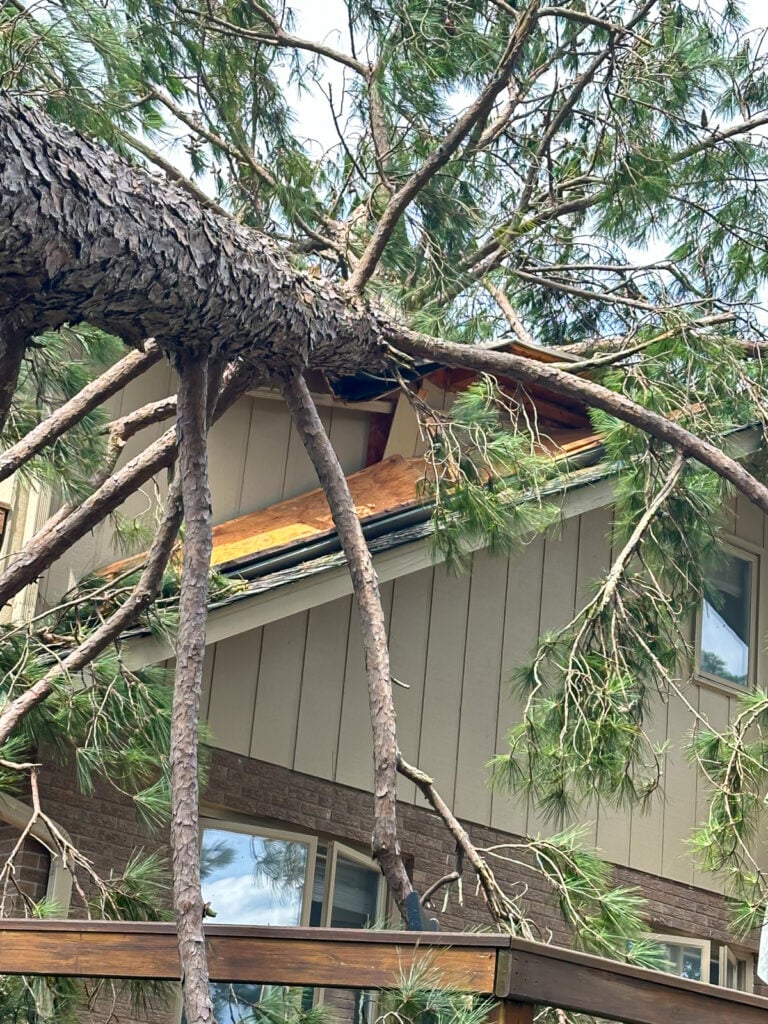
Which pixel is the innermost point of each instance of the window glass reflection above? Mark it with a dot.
(725, 621)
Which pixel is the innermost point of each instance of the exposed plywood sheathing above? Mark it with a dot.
(380, 489)
(384, 488)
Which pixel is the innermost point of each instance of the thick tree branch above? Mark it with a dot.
(140, 598)
(89, 237)
(365, 584)
(592, 394)
(89, 398)
(13, 342)
(190, 651)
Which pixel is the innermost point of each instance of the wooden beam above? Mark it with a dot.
(507, 1011)
(549, 975)
(518, 972)
(322, 957)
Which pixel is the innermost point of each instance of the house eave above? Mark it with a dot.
(300, 583)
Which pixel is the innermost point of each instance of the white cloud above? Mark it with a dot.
(241, 900)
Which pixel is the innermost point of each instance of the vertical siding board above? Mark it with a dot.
(646, 830)
(322, 687)
(521, 627)
(349, 437)
(355, 760)
(266, 455)
(439, 737)
(233, 691)
(300, 475)
(594, 557)
(679, 792)
(408, 638)
(404, 433)
(227, 448)
(714, 706)
(558, 597)
(273, 737)
(614, 825)
(480, 689)
(208, 670)
(749, 521)
(594, 561)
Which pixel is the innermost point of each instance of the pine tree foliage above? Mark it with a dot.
(498, 169)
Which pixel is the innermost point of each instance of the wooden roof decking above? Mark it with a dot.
(380, 490)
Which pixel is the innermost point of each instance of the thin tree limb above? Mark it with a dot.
(140, 598)
(89, 398)
(502, 910)
(365, 584)
(443, 152)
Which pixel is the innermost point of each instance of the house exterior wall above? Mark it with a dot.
(106, 827)
(293, 692)
(256, 458)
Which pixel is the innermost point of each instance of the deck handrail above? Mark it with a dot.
(518, 972)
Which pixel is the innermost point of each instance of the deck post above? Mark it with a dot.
(507, 1011)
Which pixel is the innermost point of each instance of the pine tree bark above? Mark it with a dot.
(13, 342)
(192, 424)
(87, 236)
(385, 842)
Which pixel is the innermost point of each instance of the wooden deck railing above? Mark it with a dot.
(517, 972)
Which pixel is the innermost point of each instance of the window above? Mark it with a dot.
(254, 875)
(726, 626)
(702, 960)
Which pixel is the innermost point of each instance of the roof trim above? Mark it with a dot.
(302, 586)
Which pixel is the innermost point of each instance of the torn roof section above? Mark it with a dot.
(387, 491)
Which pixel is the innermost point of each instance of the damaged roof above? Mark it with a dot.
(387, 494)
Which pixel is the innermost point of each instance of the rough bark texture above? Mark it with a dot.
(365, 584)
(13, 342)
(592, 394)
(140, 598)
(87, 236)
(91, 396)
(190, 651)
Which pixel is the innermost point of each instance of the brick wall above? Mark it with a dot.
(108, 830)
(29, 880)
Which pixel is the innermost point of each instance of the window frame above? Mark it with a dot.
(335, 849)
(236, 824)
(738, 549)
(724, 953)
(225, 820)
(685, 940)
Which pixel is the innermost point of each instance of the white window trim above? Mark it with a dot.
(684, 940)
(735, 547)
(335, 849)
(727, 951)
(59, 888)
